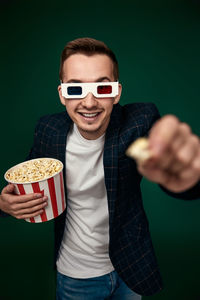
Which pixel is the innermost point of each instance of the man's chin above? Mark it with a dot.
(90, 132)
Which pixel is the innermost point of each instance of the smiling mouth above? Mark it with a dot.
(89, 115)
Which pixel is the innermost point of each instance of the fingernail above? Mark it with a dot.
(45, 198)
(38, 195)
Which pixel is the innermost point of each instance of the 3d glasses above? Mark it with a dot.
(98, 89)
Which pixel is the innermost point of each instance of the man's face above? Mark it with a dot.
(90, 114)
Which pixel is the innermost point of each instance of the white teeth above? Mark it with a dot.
(90, 115)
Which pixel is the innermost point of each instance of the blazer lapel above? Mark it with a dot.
(111, 160)
(60, 142)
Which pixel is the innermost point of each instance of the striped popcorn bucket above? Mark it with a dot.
(52, 187)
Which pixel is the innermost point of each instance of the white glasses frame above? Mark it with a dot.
(90, 87)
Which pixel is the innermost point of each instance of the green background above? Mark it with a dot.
(157, 44)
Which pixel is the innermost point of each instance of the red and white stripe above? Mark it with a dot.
(53, 188)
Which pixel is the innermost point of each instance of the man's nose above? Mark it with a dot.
(89, 101)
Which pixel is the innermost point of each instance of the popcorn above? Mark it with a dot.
(33, 170)
(139, 150)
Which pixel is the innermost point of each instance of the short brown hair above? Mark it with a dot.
(88, 46)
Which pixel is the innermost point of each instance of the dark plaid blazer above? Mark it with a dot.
(130, 247)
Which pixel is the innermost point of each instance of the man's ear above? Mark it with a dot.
(117, 98)
(62, 99)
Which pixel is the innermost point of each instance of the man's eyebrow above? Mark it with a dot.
(103, 79)
(100, 79)
(73, 81)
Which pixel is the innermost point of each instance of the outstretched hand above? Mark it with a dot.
(175, 155)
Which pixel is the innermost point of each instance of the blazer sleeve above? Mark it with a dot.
(190, 194)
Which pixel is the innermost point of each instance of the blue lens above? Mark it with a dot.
(74, 90)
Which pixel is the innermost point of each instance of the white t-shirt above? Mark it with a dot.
(84, 249)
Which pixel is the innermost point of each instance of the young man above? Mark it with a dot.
(103, 245)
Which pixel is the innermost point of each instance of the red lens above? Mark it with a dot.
(104, 89)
